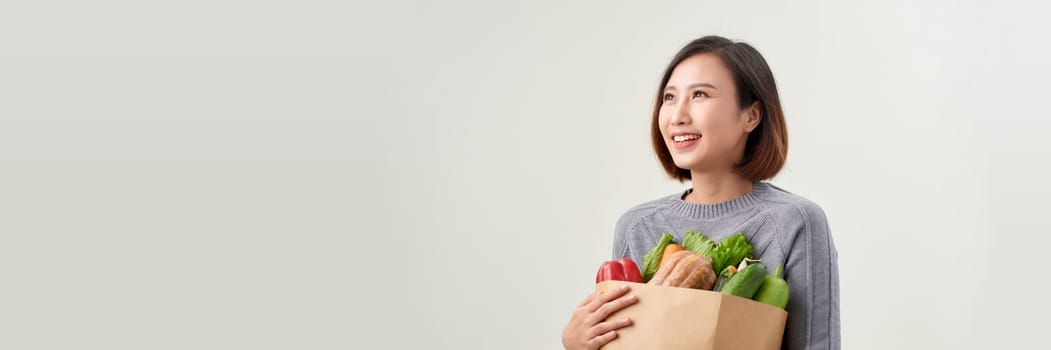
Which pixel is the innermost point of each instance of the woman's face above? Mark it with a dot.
(702, 124)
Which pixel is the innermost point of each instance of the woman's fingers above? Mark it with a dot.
(587, 327)
(610, 307)
(605, 327)
(601, 340)
(605, 332)
(605, 296)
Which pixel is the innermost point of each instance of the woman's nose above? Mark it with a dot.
(680, 116)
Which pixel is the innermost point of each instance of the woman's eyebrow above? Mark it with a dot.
(693, 86)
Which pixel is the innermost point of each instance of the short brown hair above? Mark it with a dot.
(767, 145)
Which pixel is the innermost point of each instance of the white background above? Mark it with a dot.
(446, 175)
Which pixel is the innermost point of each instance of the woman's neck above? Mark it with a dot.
(712, 188)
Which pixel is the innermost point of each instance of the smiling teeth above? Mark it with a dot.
(682, 138)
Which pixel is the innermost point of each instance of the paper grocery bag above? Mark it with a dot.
(671, 318)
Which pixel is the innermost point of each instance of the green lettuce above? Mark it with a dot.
(652, 260)
(697, 242)
(730, 251)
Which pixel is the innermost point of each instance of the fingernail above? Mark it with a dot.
(624, 287)
(626, 321)
(631, 297)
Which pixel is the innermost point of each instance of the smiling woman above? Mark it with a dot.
(733, 79)
(717, 122)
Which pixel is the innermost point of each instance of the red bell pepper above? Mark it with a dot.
(619, 270)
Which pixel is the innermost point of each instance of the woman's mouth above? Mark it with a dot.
(685, 140)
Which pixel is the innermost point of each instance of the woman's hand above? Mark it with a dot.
(586, 331)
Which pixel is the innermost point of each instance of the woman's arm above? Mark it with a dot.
(812, 273)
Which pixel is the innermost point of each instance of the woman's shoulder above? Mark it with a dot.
(791, 206)
(636, 213)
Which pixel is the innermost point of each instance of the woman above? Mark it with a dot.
(717, 122)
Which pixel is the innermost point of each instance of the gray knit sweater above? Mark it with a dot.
(783, 228)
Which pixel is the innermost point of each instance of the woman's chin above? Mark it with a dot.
(686, 165)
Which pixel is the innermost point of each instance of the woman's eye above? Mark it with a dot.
(699, 94)
(668, 97)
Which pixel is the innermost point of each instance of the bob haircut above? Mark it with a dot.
(767, 146)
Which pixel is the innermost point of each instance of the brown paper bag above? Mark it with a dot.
(670, 318)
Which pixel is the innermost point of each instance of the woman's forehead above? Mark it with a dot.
(699, 69)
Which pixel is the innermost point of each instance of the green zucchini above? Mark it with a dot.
(746, 282)
(724, 276)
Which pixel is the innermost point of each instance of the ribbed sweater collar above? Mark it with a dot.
(706, 211)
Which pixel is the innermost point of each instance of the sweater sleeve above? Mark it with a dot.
(630, 230)
(621, 248)
(812, 273)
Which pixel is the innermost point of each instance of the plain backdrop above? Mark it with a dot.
(447, 174)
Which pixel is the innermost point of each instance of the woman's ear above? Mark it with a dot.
(752, 116)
